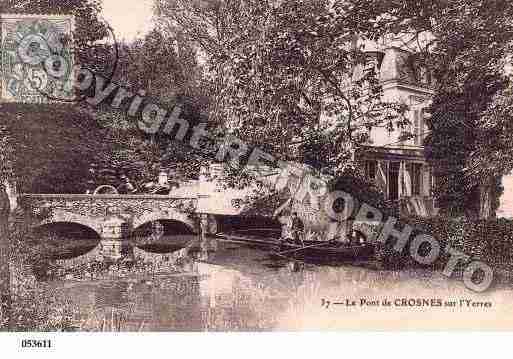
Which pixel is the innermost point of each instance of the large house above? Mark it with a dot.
(399, 166)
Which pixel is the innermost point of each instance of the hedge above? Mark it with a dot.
(489, 241)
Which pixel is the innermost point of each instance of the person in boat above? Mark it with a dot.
(286, 226)
(282, 214)
(126, 187)
(298, 228)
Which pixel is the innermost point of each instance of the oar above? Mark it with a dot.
(298, 249)
(231, 237)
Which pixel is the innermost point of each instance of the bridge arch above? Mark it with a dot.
(68, 229)
(170, 228)
(69, 239)
(67, 217)
(175, 235)
(105, 189)
(165, 216)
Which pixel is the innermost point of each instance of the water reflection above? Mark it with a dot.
(240, 288)
(174, 290)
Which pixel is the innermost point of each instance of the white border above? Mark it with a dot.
(272, 345)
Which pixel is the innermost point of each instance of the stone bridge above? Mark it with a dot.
(96, 211)
(115, 219)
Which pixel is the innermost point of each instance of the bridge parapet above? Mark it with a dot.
(94, 210)
(100, 205)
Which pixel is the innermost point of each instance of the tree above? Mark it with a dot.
(6, 175)
(289, 76)
(492, 156)
(53, 146)
(207, 27)
(161, 64)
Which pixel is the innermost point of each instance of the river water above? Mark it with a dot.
(242, 289)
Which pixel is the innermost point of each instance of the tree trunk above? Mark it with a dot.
(5, 276)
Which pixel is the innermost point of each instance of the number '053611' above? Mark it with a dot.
(30, 343)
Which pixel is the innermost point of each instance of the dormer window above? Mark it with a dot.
(421, 73)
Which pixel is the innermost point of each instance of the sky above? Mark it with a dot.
(128, 18)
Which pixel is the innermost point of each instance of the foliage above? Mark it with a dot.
(70, 149)
(163, 68)
(489, 241)
(493, 153)
(53, 146)
(67, 149)
(351, 181)
(38, 306)
(45, 152)
(35, 305)
(53, 143)
(125, 149)
(161, 64)
(6, 175)
(286, 75)
(363, 190)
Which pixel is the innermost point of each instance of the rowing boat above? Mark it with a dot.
(312, 251)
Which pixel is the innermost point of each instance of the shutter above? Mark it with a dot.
(416, 176)
(426, 180)
(415, 204)
(381, 178)
(370, 170)
(401, 189)
(422, 207)
(409, 208)
(408, 175)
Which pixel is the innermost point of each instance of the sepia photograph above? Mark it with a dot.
(254, 166)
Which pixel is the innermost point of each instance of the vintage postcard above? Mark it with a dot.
(255, 166)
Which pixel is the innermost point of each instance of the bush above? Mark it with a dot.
(35, 305)
(489, 241)
(385, 254)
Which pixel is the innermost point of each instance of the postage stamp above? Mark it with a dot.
(37, 57)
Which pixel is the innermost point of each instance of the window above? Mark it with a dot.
(418, 127)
